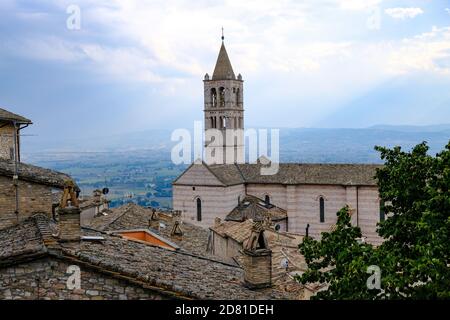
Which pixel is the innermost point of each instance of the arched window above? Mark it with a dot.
(214, 97)
(267, 199)
(237, 96)
(199, 209)
(212, 122)
(322, 209)
(222, 97)
(382, 213)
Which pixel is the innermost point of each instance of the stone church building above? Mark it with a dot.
(310, 194)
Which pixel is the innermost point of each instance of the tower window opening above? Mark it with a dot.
(222, 96)
(214, 97)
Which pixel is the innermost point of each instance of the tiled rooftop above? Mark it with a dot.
(179, 273)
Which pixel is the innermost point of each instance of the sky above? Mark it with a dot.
(99, 67)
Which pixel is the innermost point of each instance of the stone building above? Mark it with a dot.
(26, 190)
(93, 206)
(35, 263)
(311, 194)
(229, 237)
(10, 126)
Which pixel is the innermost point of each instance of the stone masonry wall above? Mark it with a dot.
(216, 202)
(6, 141)
(33, 198)
(47, 279)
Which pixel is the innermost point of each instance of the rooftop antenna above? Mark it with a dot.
(223, 37)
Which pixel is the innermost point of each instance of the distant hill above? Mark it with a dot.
(296, 144)
(430, 128)
(355, 145)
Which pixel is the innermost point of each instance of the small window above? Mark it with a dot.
(382, 213)
(193, 188)
(322, 209)
(199, 209)
(267, 199)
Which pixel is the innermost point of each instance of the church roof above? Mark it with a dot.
(257, 210)
(6, 115)
(297, 173)
(223, 69)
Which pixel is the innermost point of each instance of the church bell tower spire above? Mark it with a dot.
(224, 108)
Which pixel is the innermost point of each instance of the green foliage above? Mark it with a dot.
(415, 255)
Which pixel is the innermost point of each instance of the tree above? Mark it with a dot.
(414, 258)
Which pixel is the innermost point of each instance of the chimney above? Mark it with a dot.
(69, 215)
(153, 222)
(257, 259)
(217, 221)
(176, 231)
(69, 224)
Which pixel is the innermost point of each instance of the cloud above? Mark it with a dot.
(403, 13)
(429, 52)
(448, 10)
(358, 5)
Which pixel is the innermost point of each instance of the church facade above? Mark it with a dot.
(310, 194)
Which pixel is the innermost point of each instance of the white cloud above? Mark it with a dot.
(448, 10)
(171, 43)
(424, 52)
(403, 13)
(358, 5)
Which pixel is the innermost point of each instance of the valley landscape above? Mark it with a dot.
(137, 167)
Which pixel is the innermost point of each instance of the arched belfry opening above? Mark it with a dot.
(222, 97)
(214, 97)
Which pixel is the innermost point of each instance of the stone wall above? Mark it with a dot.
(369, 213)
(6, 141)
(47, 279)
(276, 192)
(216, 202)
(225, 248)
(33, 198)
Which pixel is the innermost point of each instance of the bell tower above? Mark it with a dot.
(224, 109)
